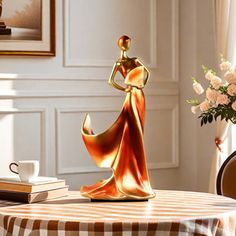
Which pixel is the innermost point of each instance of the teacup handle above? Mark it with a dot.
(10, 167)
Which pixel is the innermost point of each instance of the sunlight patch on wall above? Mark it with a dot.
(8, 76)
(6, 141)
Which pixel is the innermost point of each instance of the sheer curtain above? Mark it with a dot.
(231, 141)
(225, 34)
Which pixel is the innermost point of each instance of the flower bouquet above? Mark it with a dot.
(220, 96)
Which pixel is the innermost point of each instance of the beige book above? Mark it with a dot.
(31, 187)
(33, 197)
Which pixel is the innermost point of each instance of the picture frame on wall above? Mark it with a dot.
(27, 27)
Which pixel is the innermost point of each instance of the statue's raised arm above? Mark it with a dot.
(112, 77)
(129, 68)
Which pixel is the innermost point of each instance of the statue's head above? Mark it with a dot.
(124, 42)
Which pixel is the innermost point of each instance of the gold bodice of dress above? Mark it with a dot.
(121, 148)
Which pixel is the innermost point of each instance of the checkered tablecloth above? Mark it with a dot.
(169, 213)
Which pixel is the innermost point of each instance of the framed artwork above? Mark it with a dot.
(27, 27)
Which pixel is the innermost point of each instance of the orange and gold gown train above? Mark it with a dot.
(121, 148)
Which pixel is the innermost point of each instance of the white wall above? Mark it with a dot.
(196, 49)
(188, 53)
(41, 110)
(206, 56)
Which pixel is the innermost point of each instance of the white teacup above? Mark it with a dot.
(27, 170)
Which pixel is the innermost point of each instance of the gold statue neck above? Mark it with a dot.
(123, 54)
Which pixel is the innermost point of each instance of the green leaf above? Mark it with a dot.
(216, 115)
(210, 118)
(205, 119)
(223, 89)
(202, 122)
(205, 69)
(194, 79)
(193, 102)
(233, 119)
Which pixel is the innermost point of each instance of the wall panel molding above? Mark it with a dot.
(48, 77)
(173, 55)
(75, 170)
(43, 131)
(27, 88)
(173, 108)
(175, 40)
(70, 62)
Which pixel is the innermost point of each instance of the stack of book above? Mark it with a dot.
(40, 189)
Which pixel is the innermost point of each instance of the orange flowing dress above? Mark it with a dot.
(121, 148)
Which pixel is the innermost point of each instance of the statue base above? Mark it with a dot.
(119, 200)
(3, 29)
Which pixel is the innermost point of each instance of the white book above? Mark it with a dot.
(35, 181)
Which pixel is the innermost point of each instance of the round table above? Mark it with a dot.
(169, 212)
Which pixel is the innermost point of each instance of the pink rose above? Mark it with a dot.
(225, 65)
(198, 88)
(222, 99)
(231, 90)
(212, 95)
(234, 105)
(230, 77)
(216, 82)
(204, 106)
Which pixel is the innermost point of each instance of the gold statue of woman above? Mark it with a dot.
(121, 147)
